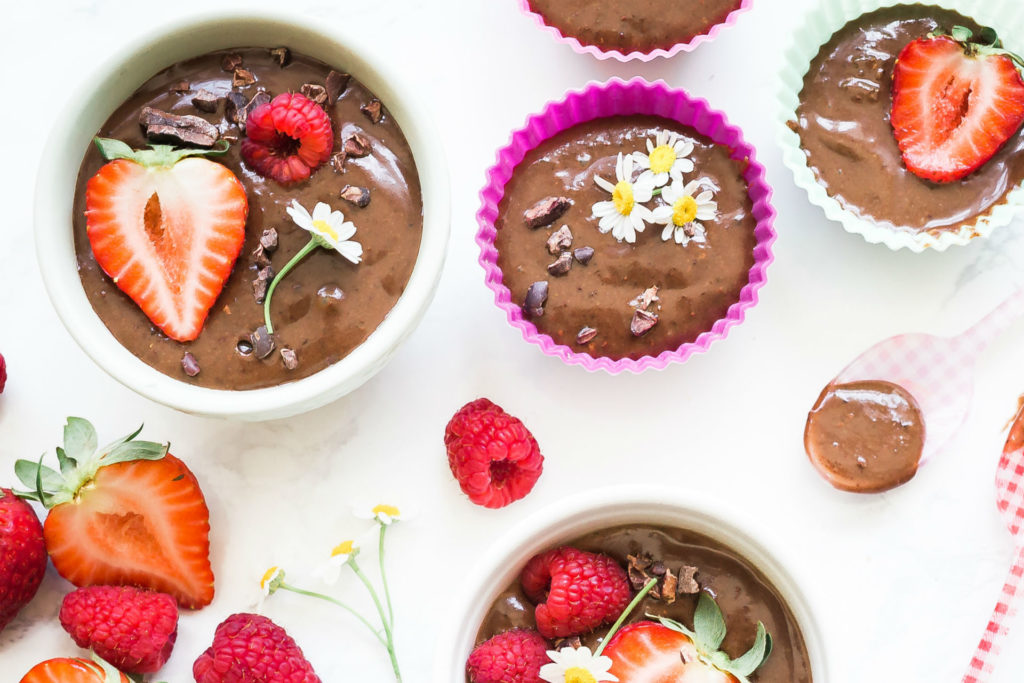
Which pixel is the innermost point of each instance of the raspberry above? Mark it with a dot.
(131, 628)
(492, 454)
(514, 656)
(575, 591)
(287, 138)
(3, 373)
(250, 647)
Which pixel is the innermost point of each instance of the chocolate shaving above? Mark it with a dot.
(238, 109)
(268, 240)
(281, 55)
(536, 297)
(289, 358)
(205, 100)
(560, 239)
(546, 211)
(317, 93)
(160, 126)
(336, 83)
(642, 322)
(687, 582)
(646, 298)
(360, 196)
(637, 570)
(338, 161)
(373, 110)
(242, 77)
(231, 61)
(189, 364)
(561, 265)
(668, 587)
(262, 342)
(585, 335)
(574, 642)
(356, 145)
(260, 284)
(259, 256)
(181, 86)
(583, 255)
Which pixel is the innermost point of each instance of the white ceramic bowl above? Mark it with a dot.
(603, 508)
(103, 91)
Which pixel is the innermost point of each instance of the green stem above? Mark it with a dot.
(384, 576)
(657, 192)
(321, 596)
(625, 613)
(383, 617)
(310, 246)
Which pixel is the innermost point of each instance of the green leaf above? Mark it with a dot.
(755, 656)
(67, 464)
(708, 623)
(156, 155)
(79, 439)
(110, 674)
(674, 625)
(30, 473)
(988, 36)
(961, 34)
(124, 439)
(114, 149)
(134, 450)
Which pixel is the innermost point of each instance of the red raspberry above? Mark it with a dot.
(3, 375)
(22, 551)
(514, 656)
(250, 647)
(582, 591)
(287, 138)
(132, 628)
(492, 454)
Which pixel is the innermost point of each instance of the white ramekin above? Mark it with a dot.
(816, 29)
(600, 509)
(103, 91)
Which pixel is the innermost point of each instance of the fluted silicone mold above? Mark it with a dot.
(818, 26)
(584, 48)
(618, 98)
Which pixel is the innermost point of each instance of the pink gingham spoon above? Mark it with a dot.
(899, 403)
(1010, 500)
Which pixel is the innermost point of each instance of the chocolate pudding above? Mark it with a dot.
(844, 128)
(326, 306)
(634, 25)
(865, 437)
(596, 304)
(744, 595)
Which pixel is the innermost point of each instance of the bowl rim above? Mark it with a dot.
(54, 236)
(609, 506)
(580, 106)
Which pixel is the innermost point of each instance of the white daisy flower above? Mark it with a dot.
(330, 571)
(269, 583)
(686, 207)
(625, 214)
(576, 665)
(667, 158)
(329, 227)
(383, 513)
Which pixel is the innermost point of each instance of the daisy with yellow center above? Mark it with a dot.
(328, 229)
(271, 581)
(667, 158)
(625, 215)
(685, 209)
(343, 553)
(576, 665)
(384, 513)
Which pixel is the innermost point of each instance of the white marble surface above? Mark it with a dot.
(903, 582)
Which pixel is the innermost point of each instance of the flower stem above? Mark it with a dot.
(310, 246)
(657, 192)
(383, 617)
(625, 613)
(321, 596)
(384, 576)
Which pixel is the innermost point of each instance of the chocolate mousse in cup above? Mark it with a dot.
(625, 227)
(640, 30)
(937, 180)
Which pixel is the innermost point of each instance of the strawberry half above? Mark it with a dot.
(167, 228)
(125, 514)
(668, 652)
(79, 670)
(955, 103)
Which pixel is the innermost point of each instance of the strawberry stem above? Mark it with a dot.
(312, 244)
(333, 601)
(651, 583)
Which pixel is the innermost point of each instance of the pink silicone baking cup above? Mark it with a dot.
(617, 98)
(586, 48)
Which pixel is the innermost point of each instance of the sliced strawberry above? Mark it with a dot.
(167, 227)
(954, 105)
(67, 670)
(646, 652)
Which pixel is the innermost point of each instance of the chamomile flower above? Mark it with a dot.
(330, 571)
(576, 665)
(270, 582)
(329, 227)
(625, 215)
(685, 208)
(383, 513)
(667, 158)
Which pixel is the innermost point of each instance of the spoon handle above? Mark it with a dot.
(985, 331)
(983, 662)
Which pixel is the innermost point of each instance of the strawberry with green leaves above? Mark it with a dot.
(128, 513)
(77, 670)
(667, 652)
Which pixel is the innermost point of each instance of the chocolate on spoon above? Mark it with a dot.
(867, 431)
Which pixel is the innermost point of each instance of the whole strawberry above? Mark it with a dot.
(22, 552)
(514, 656)
(249, 648)
(131, 628)
(493, 455)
